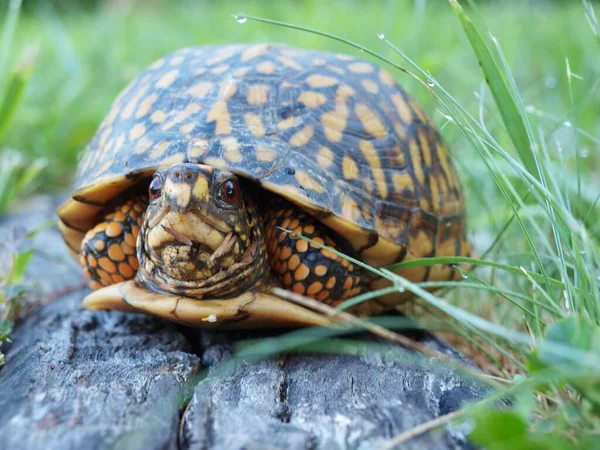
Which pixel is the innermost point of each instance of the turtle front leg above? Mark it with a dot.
(108, 251)
(303, 267)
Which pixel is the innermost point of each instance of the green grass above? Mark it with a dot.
(520, 113)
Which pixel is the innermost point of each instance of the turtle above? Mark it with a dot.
(225, 170)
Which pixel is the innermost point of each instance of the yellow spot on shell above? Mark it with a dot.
(435, 194)
(344, 91)
(188, 127)
(379, 176)
(312, 99)
(136, 131)
(241, 71)
(158, 64)
(173, 159)
(350, 209)
(104, 167)
(302, 136)
(112, 115)
(181, 116)
(370, 153)
(400, 130)
(401, 181)
(220, 69)
(318, 81)
(218, 163)
(176, 60)
(349, 168)
(257, 94)
(254, 124)
(334, 122)
(104, 136)
(197, 148)
(288, 123)
(336, 69)
(403, 109)
(142, 145)
(360, 67)
(421, 244)
(167, 79)
(253, 52)
(343, 57)
(289, 62)
(307, 182)
(220, 114)
(425, 147)
(415, 157)
(221, 56)
(442, 154)
(232, 149)
(227, 89)
(158, 116)
(387, 78)
(265, 154)
(371, 123)
(418, 111)
(266, 67)
(200, 89)
(128, 110)
(370, 86)
(325, 157)
(145, 106)
(318, 62)
(119, 142)
(158, 150)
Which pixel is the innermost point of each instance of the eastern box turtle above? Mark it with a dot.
(183, 198)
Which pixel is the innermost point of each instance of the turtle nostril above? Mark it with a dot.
(189, 175)
(177, 174)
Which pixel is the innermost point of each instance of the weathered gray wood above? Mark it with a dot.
(78, 379)
(99, 380)
(324, 401)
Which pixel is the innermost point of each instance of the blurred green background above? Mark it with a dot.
(67, 60)
(87, 51)
(73, 57)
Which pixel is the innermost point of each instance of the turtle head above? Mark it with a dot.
(199, 233)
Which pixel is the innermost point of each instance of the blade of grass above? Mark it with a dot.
(8, 31)
(421, 262)
(590, 15)
(16, 88)
(498, 81)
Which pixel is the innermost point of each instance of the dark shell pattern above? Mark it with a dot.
(332, 132)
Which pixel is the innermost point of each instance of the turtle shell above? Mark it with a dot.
(334, 134)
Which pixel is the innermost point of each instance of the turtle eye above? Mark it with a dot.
(230, 192)
(155, 188)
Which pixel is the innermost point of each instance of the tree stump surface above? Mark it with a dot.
(75, 378)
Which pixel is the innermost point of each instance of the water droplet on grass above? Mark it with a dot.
(584, 153)
(381, 36)
(241, 18)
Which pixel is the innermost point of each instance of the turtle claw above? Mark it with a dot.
(249, 310)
